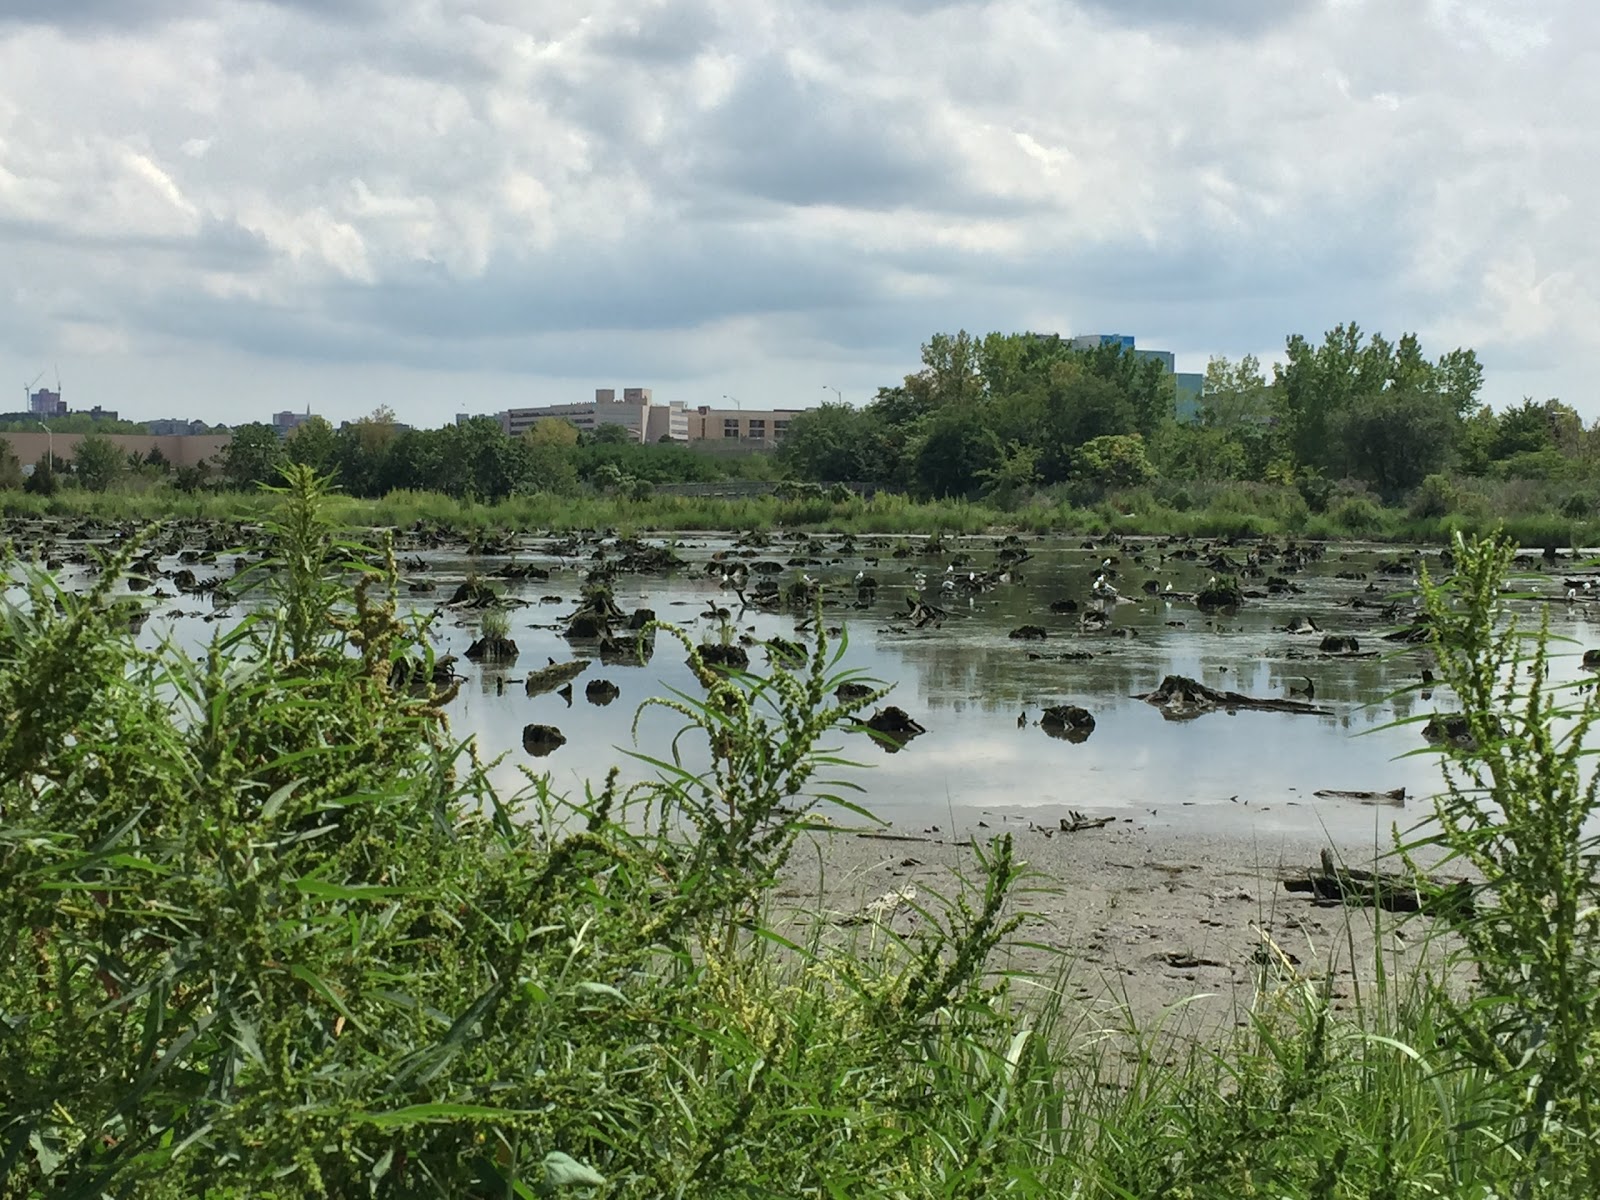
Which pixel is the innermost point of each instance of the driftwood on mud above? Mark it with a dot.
(1180, 698)
(1335, 884)
(1075, 821)
(1395, 797)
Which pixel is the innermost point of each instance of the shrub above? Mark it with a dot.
(1357, 515)
(1521, 798)
(1579, 506)
(1435, 497)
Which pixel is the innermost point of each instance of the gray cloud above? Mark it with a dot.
(132, 14)
(736, 196)
(1233, 16)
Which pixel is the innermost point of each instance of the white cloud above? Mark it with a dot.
(719, 195)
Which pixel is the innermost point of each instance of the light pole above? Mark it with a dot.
(828, 387)
(50, 445)
(735, 400)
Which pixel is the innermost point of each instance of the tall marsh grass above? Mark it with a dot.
(1533, 514)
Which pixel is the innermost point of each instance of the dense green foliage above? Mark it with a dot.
(1355, 435)
(1008, 414)
(266, 931)
(473, 459)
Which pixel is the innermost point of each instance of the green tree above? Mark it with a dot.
(11, 477)
(611, 435)
(957, 452)
(312, 443)
(554, 431)
(1395, 439)
(832, 442)
(43, 480)
(1521, 429)
(97, 462)
(1013, 477)
(1115, 460)
(252, 456)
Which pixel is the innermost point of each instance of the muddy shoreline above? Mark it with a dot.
(1144, 924)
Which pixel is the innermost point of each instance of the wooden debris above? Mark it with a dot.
(1395, 797)
(1334, 884)
(1075, 821)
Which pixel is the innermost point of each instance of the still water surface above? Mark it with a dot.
(967, 682)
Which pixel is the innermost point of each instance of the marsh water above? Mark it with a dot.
(968, 682)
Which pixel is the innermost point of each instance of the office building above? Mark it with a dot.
(635, 412)
(45, 403)
(750, 429)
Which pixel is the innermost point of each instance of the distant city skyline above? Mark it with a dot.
(230, 209)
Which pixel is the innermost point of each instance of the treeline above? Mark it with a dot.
(474, 459)
(1001, 416)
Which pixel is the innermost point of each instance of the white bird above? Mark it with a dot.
(950, 569)
(1169, 587)
(860, 575)
(808, 581)
(1572, 594)
(949, 585)
(1103, 590)
(921, 582)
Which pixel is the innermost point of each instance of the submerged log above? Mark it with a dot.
(1180, 698)
(555, 676)
(1394, 797)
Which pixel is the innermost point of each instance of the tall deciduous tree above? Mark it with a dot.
(312, 443)
(252, 456)
(97, 462)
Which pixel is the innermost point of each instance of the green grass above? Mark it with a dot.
(1195, 510)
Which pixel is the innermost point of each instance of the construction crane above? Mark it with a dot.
(27, 393)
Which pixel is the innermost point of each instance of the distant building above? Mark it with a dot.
(285, 423)
(1186, 385)
(176, 427)
(747, 429)
(1190, 386)
(45, 403)
(636, 412)
(100, 414)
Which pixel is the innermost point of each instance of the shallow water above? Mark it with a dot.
(967, 682)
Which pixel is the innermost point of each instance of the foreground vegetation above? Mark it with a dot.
(267, 931)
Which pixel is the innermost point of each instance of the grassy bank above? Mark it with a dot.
(1228, 510)
(265, 930)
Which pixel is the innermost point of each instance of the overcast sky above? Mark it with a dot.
(219, 209)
